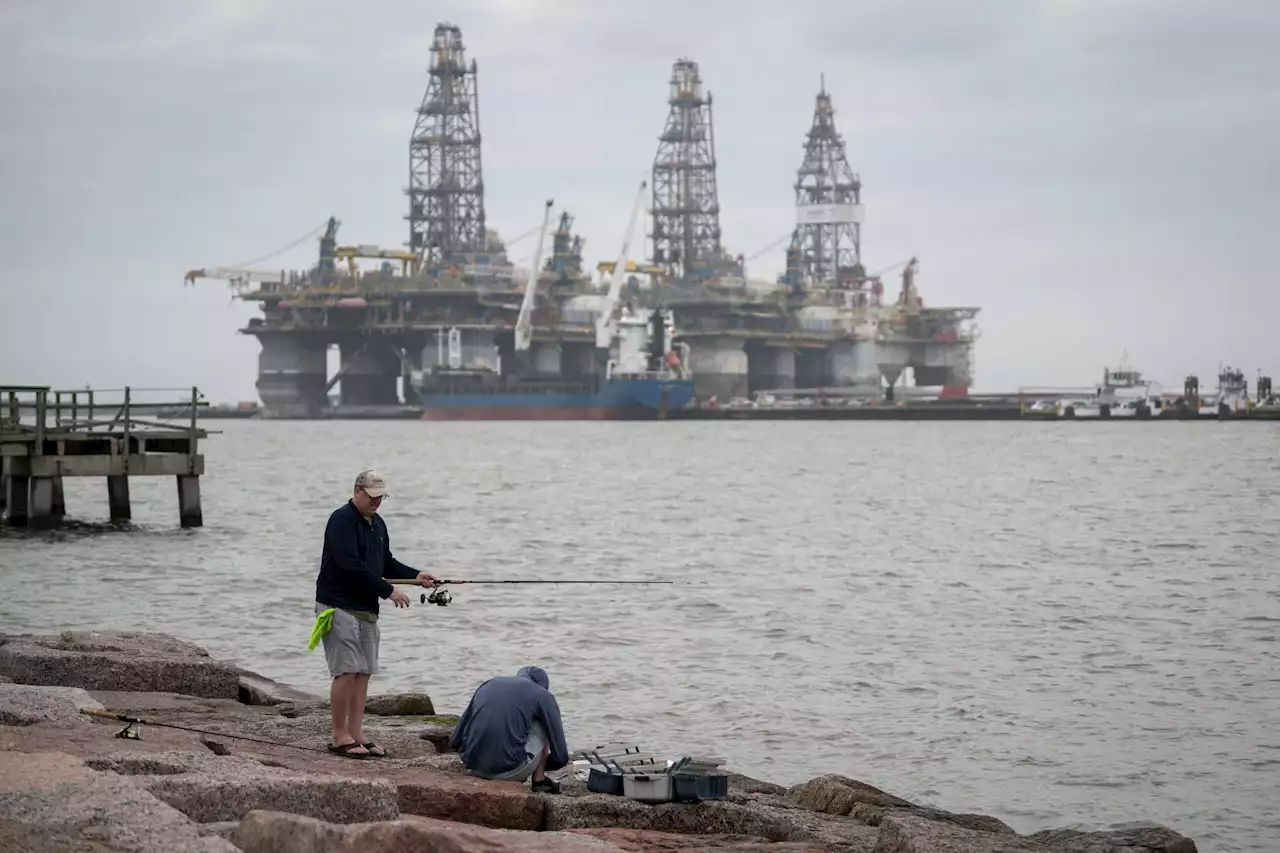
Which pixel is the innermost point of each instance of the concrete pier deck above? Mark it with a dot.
(46, 435)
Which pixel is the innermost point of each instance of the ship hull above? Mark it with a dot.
(619, 400)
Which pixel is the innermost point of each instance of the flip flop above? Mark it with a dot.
(345, 751)
(371, 746)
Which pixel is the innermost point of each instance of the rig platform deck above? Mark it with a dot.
(46, 435)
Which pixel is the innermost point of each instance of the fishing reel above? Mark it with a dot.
(439, 596)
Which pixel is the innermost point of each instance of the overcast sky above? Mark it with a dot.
(1096, 175)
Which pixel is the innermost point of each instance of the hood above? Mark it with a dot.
(537, 675)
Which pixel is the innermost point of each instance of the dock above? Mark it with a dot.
(47, 435)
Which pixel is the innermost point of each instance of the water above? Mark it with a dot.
(1053, 624)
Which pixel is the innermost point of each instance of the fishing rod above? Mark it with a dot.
(129, 733)
(442, 598)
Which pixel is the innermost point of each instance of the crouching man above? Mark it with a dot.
(511, 730)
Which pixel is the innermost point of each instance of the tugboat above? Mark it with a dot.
(1123, 393)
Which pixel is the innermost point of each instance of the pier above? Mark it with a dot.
(46, 435)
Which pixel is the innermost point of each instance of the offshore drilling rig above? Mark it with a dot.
(451, 304)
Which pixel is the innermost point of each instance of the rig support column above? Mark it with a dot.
(118, 497)
(4, 493)
(41, 511)
(189, 513)
(18, 494)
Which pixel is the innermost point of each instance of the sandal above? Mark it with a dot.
(345, 751)
(371, 746)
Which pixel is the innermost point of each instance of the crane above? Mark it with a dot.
(239, 278)
(524, 322)
(607, 322)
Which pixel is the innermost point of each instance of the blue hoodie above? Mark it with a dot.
(491, 733)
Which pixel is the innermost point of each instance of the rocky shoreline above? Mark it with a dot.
(67, 783)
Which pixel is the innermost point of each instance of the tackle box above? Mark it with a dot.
(696, 787)
(648, 787)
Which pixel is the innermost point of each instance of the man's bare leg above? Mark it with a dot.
(355, 722)
(540, 771)
(341, 697)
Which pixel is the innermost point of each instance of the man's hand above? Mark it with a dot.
(427, 580)
(399, 599)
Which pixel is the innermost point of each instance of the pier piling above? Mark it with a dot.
(17, 509)
(48, 435)
(189, 514)
(118, 497)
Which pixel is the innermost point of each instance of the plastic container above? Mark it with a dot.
(696, 787)
(604, 783)
(647, 787)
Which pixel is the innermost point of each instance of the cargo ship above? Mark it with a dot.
(645, 377)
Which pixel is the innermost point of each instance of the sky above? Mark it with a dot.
(1098, 176)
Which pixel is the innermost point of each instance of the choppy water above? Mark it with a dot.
(1053, 624)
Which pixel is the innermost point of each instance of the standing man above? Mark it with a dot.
(354, 564)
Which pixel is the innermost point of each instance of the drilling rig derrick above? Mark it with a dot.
(446, 186)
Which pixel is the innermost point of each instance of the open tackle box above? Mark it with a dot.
(626, 771)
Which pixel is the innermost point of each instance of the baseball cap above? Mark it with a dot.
(373, 482)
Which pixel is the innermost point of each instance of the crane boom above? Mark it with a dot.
(606, 323)
(524, 322)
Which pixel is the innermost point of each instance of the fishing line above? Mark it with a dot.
(128, 733)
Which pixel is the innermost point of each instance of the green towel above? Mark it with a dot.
(323, 623)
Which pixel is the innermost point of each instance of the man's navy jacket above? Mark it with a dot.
(355, 562)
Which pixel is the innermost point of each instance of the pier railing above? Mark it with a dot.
(35, 413)
(47, 434)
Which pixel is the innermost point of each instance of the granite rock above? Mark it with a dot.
(119, 660)
(840, 795)
(274, 832)
(646, 841)
(1138, 839)
(27, 705)
(400, 705)
(903, 832)
(52, 802)
(465, 799)
(438, 736)
(224, 796)
(255, 689)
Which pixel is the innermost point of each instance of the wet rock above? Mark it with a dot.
(117, 661)
(1138, 839)
(738, 782)
(400, 705)
(255, 689)
(903, 832)
(273, 832)
(466, 799)
(26, 705)
(53, 802)
(229, 796)
(834, 794)
(840, 795)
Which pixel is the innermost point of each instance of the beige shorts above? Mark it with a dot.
(533, 746)
(351, 645)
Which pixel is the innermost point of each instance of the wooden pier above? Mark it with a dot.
(46, 435)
